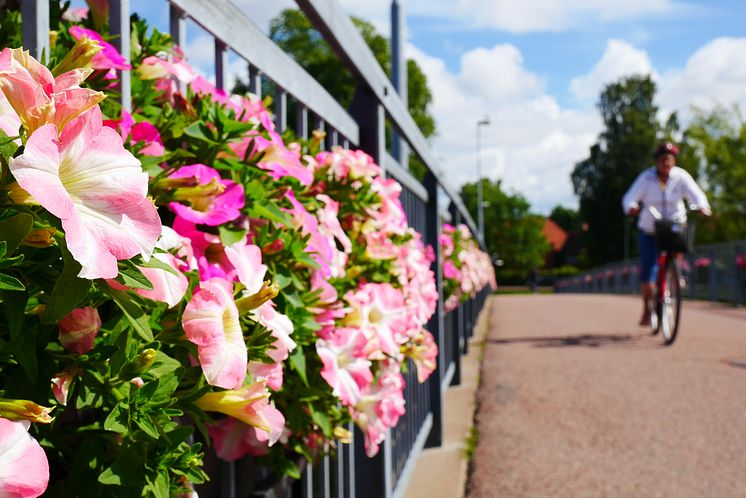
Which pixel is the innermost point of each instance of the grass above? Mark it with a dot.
(522, 289)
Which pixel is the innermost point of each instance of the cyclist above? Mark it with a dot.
(664, 188)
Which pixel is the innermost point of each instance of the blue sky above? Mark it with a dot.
(536, 67)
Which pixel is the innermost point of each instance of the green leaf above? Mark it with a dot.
(157, 263)
(7, 145)
(131, 276)
(162, 366)
(269, 212)
(229, 236)
(69, 290)
(298, 362)
(9, 283)
(118, 420)
(200, 131)
(14, 304)
(134, 313)
(322, 421)
(162, 484)
(147, 425)
(14, 229)
(23, 347)
(127, 469)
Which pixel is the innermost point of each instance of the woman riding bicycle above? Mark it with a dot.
(660, 188)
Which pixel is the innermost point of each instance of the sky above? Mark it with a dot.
(536, 69)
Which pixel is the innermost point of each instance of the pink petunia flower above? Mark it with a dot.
(380, 407)
(213, 200)
(250, 405)
(167, 288)
(61, 384)
(78, 329)
(346, 368)
(97, 189)
(380, 310)
(233, 439)
(108, 58)
(24, 470)
(10, 123)
(210, 321)
(38, 97)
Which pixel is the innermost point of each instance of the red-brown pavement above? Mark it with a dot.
(576, 400)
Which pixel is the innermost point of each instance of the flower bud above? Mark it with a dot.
(144, 360)
(21, 409)
(273, 247)
(40, 237)
(267, 292)
(18, 196)
(78, 329)
(79, 56)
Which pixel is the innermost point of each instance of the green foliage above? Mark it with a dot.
(567, 218)
(623, 150)
(510, 229)
(293, 32)
(714, 144)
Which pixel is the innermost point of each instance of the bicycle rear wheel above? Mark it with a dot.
(670, 303)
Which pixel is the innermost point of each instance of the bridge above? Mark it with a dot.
(577, 400)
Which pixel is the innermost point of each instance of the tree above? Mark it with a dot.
(293, 32)
(623, 150)
(565, 217)
(715, 144)
(510, 229)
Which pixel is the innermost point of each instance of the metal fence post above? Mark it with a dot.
(119, 23)
(712, 277)
(435, 326)
(737, 275)
(369, 115)
(35, 14)
(221, 65)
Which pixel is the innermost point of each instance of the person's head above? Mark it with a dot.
(665, 158)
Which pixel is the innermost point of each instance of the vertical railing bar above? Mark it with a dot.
(308, 481)
(255, 81)
(35, 14)
(177, 28)
(281, 109)
(228, 479)
(221, 64)
(119, 23)
(301, 121)
(350, 466)
(326, 469)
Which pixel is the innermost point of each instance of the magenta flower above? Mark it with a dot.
(108, 58)
(143, 132)
(97, 189)
(38, 97)
(319, 245)
(213, 200)
(210, 321)
(78, 329)
(24, 471)
(346, 368)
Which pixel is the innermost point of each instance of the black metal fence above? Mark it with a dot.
(712, 272)
(348, 473)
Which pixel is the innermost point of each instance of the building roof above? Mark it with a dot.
(555, 234)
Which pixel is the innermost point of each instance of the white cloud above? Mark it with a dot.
(619, 59)
(531, 145)
(714, 74)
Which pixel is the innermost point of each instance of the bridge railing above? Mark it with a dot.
(711, 272)
(349, 473)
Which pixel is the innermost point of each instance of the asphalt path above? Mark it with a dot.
(576, 400)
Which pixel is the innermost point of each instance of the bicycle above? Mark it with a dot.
(672, 238)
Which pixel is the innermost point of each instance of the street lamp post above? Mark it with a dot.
(480, 207)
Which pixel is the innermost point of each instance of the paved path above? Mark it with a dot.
(576, 401)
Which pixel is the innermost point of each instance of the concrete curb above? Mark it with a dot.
(441, 472)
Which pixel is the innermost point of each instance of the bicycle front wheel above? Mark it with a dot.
(670, 306)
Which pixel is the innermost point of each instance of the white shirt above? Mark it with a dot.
(667, 199)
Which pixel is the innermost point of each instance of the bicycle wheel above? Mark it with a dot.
(655, 311)
(670, 305)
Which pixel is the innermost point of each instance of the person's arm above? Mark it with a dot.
(631, 199)
(695, 195)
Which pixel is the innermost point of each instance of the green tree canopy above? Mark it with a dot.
(565, 217)
(293, 32)
(714, 143)
(623, 150)
(510, 229)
